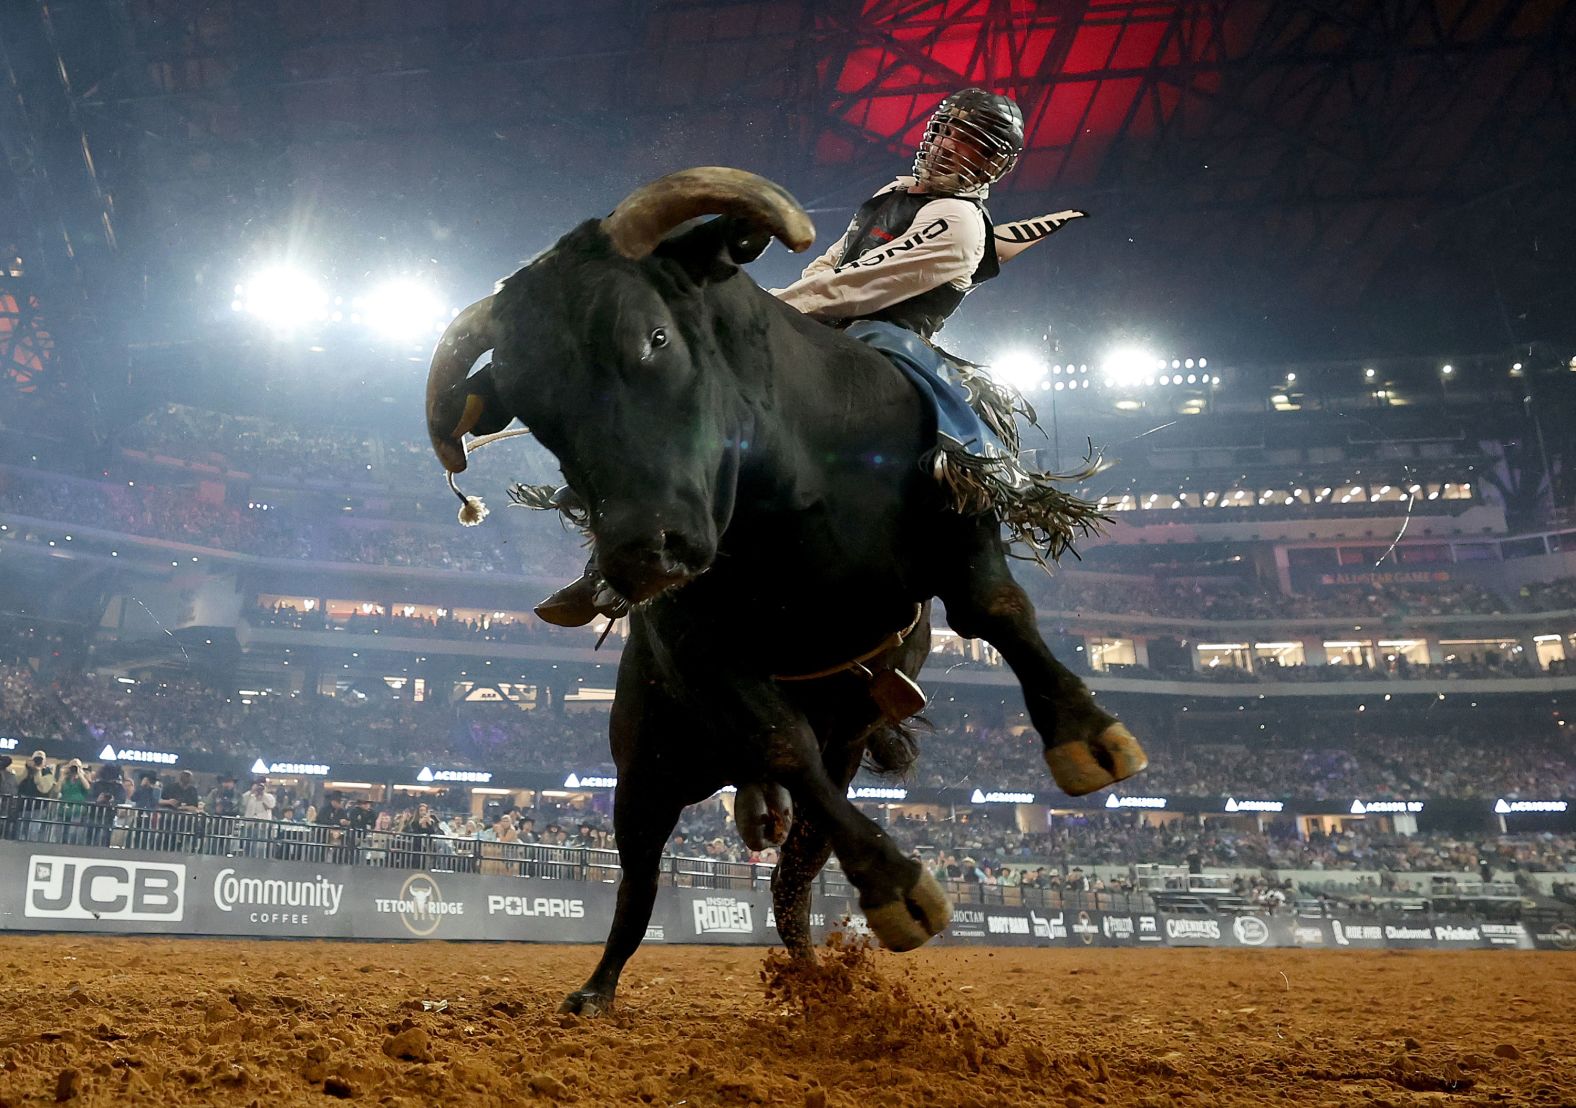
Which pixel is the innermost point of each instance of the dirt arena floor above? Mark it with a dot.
(111, 1021)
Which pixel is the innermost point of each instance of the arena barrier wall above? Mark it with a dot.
(96, 890)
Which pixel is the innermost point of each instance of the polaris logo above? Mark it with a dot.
(1193, 929)
(723, 915)
(91, 888)
(544, 907)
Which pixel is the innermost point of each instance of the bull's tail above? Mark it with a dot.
(892, 749)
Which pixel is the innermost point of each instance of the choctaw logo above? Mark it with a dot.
(420, 905)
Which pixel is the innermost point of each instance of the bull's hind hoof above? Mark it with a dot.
(586, 1002)
(1088, 764)
(911, 922)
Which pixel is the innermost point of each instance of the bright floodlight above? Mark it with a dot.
(283, 297)
(1129, 365)
(402, 308)
(1020, 368)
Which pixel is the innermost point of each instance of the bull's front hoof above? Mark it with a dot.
(911, 922)
(586, 1002)
(1088, 764)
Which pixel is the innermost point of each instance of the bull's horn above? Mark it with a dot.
(651, 211)
(462, 343)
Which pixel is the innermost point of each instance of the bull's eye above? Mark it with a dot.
(659, 338)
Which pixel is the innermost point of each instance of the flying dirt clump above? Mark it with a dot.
(842, 1004)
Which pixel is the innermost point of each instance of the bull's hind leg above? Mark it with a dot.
(1085, 747)
(803, 857)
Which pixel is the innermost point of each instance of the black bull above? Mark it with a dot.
(753, 483)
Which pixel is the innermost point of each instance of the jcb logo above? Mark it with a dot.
(92, 888)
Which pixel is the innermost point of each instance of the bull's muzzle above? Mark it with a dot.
(640, 568)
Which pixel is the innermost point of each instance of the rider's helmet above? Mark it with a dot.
(973, 140)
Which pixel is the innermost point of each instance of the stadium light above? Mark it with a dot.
(402, 308)
(1127, 366)
(1447, 370)
(283, 296)
(1368, 373)
(1019, 367)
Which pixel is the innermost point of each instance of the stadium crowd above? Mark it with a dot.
(1457, 759)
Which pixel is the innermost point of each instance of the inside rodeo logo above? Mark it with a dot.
(420, 905)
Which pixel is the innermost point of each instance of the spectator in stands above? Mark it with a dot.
(145, 798)
(75, 795)
(109, 793)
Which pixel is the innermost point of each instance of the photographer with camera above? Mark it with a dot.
(75, 794)
(38, 785)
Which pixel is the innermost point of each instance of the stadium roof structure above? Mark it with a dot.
(1293, 176)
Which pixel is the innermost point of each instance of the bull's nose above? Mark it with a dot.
(641, 569)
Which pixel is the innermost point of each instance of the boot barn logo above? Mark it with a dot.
(92, 888)
(723, 915)
(420, 905)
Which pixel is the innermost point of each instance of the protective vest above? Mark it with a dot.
(888, 216)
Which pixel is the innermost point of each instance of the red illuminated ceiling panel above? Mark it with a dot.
(1085, 74)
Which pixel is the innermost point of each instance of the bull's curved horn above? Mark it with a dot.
(651, 211)
(462, 343)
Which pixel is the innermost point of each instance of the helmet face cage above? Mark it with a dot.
(971, 142)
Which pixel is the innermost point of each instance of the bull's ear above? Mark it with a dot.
(714, 250)
(473, 407)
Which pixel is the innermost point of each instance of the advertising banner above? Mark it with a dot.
(65, 888)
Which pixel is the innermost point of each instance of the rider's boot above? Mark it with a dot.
(581, 601)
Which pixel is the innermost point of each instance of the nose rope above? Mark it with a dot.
(472, 509)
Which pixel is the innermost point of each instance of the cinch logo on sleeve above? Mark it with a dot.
(92, 888)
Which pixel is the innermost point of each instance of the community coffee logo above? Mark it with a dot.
(723, 915)
(542, 907)
(255, 895)
(420, 905)
(1192, 928)
(1085, 929)
(90, 888)
(1250, 930)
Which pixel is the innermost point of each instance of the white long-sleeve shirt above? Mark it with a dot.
(943, 246)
